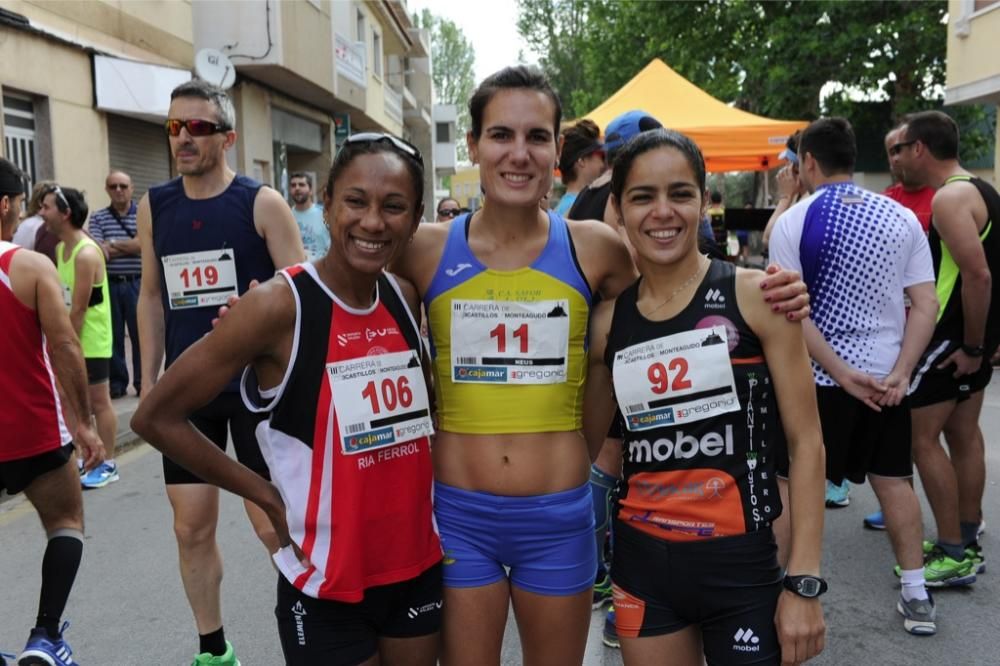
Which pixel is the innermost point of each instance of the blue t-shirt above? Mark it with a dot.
(565, 203)
(315, 235)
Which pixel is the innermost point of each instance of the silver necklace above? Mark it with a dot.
(676, 291)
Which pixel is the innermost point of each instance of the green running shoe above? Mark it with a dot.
(943, 571)
(974, 552)
(227, 659)
(602, 592)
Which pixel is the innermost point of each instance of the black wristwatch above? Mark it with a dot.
(809, 587)
(974, 351)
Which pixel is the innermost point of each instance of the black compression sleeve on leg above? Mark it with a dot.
(59, 567)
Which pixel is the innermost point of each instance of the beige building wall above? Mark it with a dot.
(973, 63)
(307, 38)
(156, 31)
(61, 74)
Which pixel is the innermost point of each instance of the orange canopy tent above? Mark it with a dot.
(730, 139)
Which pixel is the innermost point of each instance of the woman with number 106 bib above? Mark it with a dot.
(336, 359)
(699, 367)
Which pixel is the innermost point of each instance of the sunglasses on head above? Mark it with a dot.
(55, 189)
(404, 147)
(897, 148)
(194, 126)
(449, 212)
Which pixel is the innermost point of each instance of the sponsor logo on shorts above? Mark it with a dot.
(712, 444)
(475, 373)
(416, 611)
(708, 489)
(300, 630)
(745, 640)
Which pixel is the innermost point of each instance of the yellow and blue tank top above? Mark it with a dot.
(95, 337)
(509, 347)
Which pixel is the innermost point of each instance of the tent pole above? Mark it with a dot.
(767, 196)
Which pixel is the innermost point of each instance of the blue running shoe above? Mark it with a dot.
(100, 476)
(875, 521)
(4, 657)
(610, 636)
(837, 496)
(43, 651)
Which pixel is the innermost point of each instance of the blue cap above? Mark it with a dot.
(788, 154)
(631, 123)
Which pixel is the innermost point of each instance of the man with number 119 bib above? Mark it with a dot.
(204, 236)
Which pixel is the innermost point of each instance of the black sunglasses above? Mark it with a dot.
(195, 127)
(117, 186)
(897, 148)
(404, 147)
(449, 212)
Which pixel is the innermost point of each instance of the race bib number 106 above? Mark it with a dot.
(675, 379)
(380, 401)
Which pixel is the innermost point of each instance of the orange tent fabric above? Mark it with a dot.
(730, 139)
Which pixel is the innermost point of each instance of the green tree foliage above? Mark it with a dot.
(453, 69)
(770, 57)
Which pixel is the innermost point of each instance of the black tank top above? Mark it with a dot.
(696, 471)
(951, 322)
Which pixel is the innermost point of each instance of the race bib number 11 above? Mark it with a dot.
(380, 401)
(675, 379)
(509, 342)
(200, 279)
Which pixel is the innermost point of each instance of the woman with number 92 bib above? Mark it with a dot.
(701, 370)
(336, 359)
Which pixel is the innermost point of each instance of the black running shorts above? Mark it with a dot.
(334, 633)
(931, 385)
(98, 370)
(728, 586)
(16, 475)
(226, 415)
(860, 441)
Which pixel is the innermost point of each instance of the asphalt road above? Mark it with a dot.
(128, 607)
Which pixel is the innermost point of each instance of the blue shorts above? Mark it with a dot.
(546, 541)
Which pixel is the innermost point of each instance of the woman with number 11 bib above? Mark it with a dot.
(699, 367)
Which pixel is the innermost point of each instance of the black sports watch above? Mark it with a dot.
(809, 587)
(975, 351)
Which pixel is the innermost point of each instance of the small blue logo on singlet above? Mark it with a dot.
(370, 440)
(479, 373)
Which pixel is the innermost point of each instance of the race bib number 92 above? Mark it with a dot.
(675, 379)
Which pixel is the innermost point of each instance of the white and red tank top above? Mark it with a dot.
(31, 421)
(347, 442)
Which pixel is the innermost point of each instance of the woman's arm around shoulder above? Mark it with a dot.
(605, 259)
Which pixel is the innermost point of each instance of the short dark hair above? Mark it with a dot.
(351, 150)
(580, 140)
(301, 174)
(936, 130)
(831, 142)
(511, 78)
(12, 179)
(651, 140)
(77, 204)
(214, 94)
(716, 197)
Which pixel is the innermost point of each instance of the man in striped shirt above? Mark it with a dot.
(114, 228)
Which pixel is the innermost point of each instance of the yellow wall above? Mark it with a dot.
(307, 40)
(156, 31)
(977, 56)
(253, 126)
(465, 184)
(79, 133)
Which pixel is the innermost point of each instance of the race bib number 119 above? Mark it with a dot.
(200, 279)
(675, 379)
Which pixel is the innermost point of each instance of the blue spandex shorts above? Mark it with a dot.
(546, 541)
